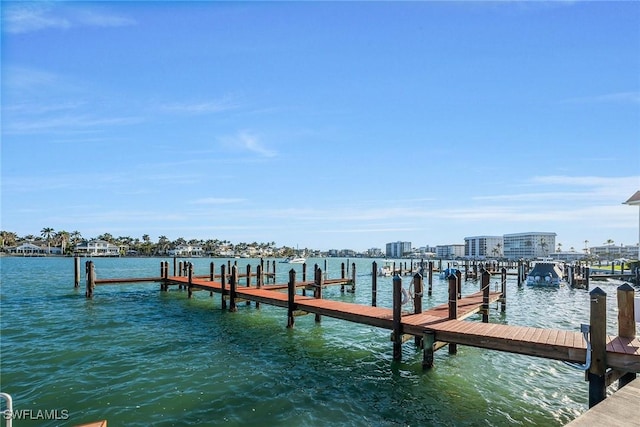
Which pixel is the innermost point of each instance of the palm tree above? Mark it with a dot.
(62, 237)
(559, 247)
(163, 244)
(543, 245)
(609, 243)
(47, 233)
(75, 237)
(8, 238)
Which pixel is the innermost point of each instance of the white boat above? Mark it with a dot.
(545, 273)
(386, 270)
(294, 260)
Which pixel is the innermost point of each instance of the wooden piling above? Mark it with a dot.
(428, 350)
(248, 280)
(259, 280)
(586, 278)
(503, 289)
(233, 286)
(223, 285)
(353, 278)
(76, 271)
(430, 291)
(291, 293)
(91, 279)
(190, 278)
(485, 279)
(175, 260)
(626, 323)
(343, 275)
(374, 284)
(317, 290)
(598, 333)
(417, 301)
(397, 318)
(454, 280)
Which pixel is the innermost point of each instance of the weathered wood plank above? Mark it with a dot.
(620, 409)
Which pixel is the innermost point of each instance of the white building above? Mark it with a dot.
(186, 251)
(450, 251)
(482, 247)
(28, 249)
(97, 248)
(398, 249)
(530, 245)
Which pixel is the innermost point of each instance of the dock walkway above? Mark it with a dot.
(620, 409)
(569, 346)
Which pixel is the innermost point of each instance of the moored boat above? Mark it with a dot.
(545, 273)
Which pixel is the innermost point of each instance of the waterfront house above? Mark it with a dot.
(28, 249)
(97, 247)
(187, 251)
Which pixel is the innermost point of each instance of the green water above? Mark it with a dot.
(139, 357)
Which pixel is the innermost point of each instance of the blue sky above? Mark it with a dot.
(322, 124)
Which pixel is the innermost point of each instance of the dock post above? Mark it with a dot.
(273, 279)
(317, 290)
(353, 278)
(503, 290)
(91, 279)
(397, 318)
(486, 278)
(520, 273)
(430, 278)
(174, 266)
(598, 332)
(626, 323)
(291, 293)
(223, 285)
(326, 269)
(454, 280)
(259, 280)
(459, 276)
(343, 275)
(212, 275)
(76, 271)
(304, 277)
(163, 275)
(585, 276)
(190, 278)
(428, 342)
(248, 280)
(233, 285)
(417, 301)
(374, 283)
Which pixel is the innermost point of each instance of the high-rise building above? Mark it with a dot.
(398, 249)
(482, 247)
(528, 245)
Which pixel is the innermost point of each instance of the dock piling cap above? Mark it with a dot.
(597, 291)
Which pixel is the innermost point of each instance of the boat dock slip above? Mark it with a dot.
(604, 358)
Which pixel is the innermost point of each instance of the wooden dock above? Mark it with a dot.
(620, 410)
(605, 358)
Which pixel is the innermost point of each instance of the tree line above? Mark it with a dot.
(67, 241)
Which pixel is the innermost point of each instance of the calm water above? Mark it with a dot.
(138, 357)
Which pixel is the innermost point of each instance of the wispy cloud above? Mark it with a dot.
(246, 141)
(36, 16)
(198, 108)
(67, 124)
(217, 201)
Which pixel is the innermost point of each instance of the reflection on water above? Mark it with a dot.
(136, 356)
